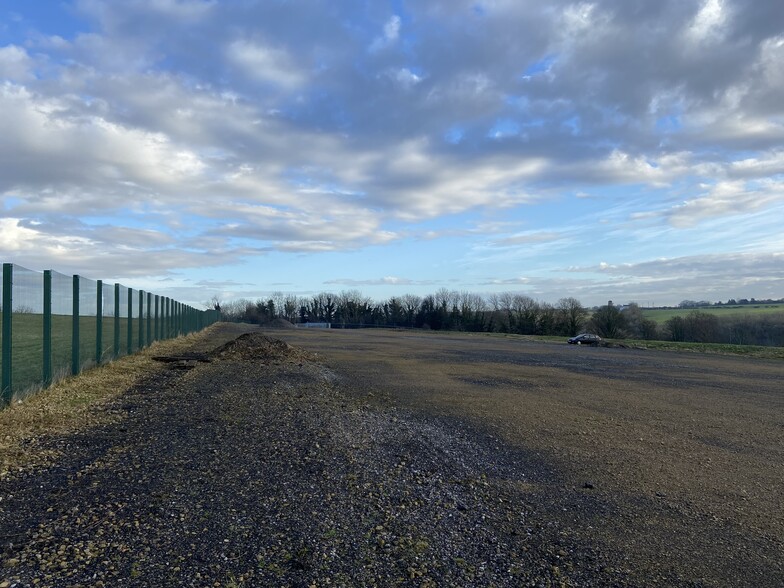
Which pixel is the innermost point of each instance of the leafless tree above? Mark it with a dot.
(411, 304)
(571, 314)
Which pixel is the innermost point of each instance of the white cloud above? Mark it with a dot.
(708, 23)
(771, 61)
(527, 238)
(103, 254)
(385, 281)
(15, 64)
(658, 170)
(404, 77)
(292, 135)
(579, 17)
(726, 198)
(390, 34)
(520, 281)
(108, 153)
(769, 164)
(266, 64)
(178, 11)
(667, 281)
(181, 9)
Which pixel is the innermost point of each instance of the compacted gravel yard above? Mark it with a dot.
(379, 458)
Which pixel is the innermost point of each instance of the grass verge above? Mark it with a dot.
(759, 351)
(75, 402)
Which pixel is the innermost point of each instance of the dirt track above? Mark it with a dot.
(418, 460)
(684, 453)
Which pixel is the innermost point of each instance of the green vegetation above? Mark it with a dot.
(662, 315)
(742, 322)
(70, 404)
(759, 351)
(27, 350)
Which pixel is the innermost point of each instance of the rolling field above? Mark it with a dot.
(661, 315)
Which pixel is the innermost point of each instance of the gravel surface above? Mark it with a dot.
(255, 469)
(254, 464)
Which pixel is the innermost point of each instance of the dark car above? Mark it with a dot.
(585, 339)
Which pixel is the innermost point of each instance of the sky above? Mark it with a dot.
(625, 150)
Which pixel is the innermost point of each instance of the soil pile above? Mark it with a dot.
(258, 347)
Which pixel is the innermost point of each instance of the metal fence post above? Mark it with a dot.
(141, 320)
(149, 315)
(98, 322)
(75, 328)
(129, 330)
(157, 318)
(8, 302)
(117, 320)
(47, 371)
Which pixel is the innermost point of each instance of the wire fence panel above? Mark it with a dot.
(62, 324)
(88, 311)
(27, 339)
(125, 324)
(52, 325)
(107, 323)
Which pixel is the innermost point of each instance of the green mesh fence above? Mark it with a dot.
(105, 350)
(125, 324)
(87, 323)
(27, 339)
(52, 325)
(62, 324)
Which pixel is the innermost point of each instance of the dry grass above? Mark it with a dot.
(78, 402)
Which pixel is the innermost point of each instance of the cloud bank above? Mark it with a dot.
(178, 134)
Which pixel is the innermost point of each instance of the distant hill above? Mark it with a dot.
(661, 315)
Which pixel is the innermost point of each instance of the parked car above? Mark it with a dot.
(585, 339)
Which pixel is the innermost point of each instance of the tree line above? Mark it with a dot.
(505, 312)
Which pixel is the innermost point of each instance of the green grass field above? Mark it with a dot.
(711, 348)
(27, 348)
(661, 315)
(757, 351)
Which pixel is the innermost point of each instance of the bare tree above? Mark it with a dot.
(291, 305)
(411, 304)
(279, 300)
(505, 303)
(572, 315)
(472, 310)
(214, 303)
(526, 311)
(609, 322)
(353, 307)
(547, 321)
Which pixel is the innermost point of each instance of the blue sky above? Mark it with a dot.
(616, 149)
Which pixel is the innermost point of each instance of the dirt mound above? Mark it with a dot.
(258, 347)
(279, 323)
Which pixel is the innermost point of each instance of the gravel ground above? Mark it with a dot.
(263, 467)
(255, 469)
